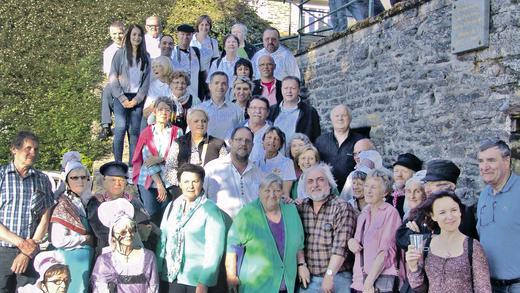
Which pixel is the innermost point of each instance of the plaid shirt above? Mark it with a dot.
(23, 201)
(327, 233)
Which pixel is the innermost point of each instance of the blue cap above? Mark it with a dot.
(117, 169)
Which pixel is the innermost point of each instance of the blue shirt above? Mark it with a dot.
(23, 200)
(223, 118)
(499, 228)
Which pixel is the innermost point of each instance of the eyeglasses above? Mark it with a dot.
(485, 218)
(59, 282)
(152, 25)
(266, 65)
(76, 178)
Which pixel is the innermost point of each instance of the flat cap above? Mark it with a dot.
(442, 170)
(114, 168)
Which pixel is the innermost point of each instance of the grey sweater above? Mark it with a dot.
(119, 78)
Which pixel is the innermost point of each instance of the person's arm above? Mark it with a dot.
(153, 281)
(215, 233)
(335, 263)
(145, 85)
(115, 86)
(287, 185)
(7, 236)
(42, 228)
(481, 277)
(63, 237)
(386, 256)
(375, 271)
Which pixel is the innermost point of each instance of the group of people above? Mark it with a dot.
(239, 190)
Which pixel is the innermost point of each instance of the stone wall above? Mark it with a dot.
(397, 74)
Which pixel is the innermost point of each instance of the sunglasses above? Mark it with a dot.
(76, 178)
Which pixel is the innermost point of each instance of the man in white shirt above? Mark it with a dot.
(233, 181)
(286, 64)
(153, 36)
(224, 116)
(186, 58)
(116, 31)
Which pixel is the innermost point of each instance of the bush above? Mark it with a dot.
(51, 65)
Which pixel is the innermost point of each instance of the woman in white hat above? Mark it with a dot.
(54, 274)
(69, 229)
(124, 266)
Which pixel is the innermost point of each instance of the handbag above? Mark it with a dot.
(383, 283)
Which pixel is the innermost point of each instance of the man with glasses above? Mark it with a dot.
(498, 215)
(268, 86)
(26, 198)
(153, 36)
(258, 110)
(233, 181)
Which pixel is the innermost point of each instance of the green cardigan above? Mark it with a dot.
(204, 244)
(262, 268)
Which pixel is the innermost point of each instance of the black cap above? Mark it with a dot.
(409, 161)
(117, 169)
(440, 170)
(185, 28)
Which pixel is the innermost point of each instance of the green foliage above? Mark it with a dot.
(224, 14)
(50, 67)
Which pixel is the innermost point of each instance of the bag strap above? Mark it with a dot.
(361, 252)
(470, 258)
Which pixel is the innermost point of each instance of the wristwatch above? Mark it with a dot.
(329, 272)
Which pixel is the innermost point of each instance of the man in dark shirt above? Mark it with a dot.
(336, 148)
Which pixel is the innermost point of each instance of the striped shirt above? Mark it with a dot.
(23, 201)
(327, 233)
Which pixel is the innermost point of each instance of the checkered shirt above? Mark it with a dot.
(23, 200)
(327, 233)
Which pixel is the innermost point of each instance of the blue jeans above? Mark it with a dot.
(342, 283)
(515, 288)
(126, 121)
(154, 208)
(357, 9)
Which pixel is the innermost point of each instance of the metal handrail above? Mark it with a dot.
(302, 10)
(300, 31)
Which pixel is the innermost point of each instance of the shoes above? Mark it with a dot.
(105, 133)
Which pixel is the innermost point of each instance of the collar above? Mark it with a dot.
(297, 105)
(12, 169)
(211, 102)
(512, 181)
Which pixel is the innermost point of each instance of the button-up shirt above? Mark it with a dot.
(229, 189)
(499, 228)
(286, 64)
(152, 45)
(108, 54)
(188, 62)
(23, 200)
(327, 232)
(279, 165)
(258, 148)
(377, 236)
(222, 118)
(340, 157)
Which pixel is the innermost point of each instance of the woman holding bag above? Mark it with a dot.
(152, 149)
(455, 263)
(376, 266)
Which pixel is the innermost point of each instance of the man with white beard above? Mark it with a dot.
(329, 223)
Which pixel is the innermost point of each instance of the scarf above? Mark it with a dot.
(175, 234)
(395, 194)
(68, 215)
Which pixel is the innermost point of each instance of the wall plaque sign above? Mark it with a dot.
(469, 25)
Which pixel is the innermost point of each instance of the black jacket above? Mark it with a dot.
(213, 152)
(257, 89)
(308, 121)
